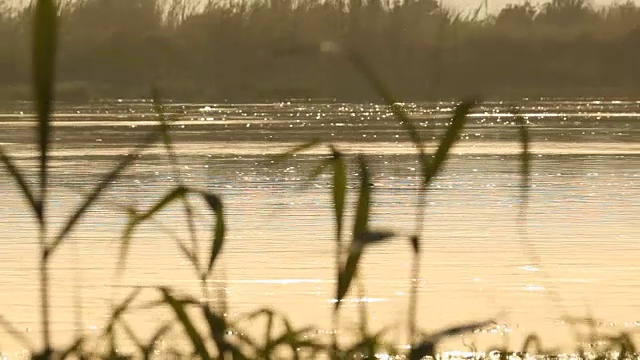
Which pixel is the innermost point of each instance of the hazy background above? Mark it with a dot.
(494, 5)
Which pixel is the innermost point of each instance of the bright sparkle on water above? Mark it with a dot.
(584, 204)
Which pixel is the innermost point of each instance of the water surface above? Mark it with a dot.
(582, 221)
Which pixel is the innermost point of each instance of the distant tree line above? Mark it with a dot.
(274, 49)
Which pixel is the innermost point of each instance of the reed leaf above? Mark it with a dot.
(300, 148)
(44, 43)
(525, 154)
(119, 310)
(315, 172)
(364, 199)
(149, 347)
(350, 268)
(183, 318)
(427, 347)
(16, 334)
(339, 191)
(218, 328)
(215, 204)
(74, 349)
(135, 219)
(103, 185)
(16, 174)
(447, 141)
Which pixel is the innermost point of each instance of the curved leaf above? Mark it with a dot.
(215, 203)
(136, 219)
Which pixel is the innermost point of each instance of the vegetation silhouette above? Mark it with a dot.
(273, 49)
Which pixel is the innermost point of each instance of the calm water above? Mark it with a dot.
(582, 220)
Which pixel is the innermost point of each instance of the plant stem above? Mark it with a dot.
(413, 297)
(44, 288)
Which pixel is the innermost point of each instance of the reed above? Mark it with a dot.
(224, 338)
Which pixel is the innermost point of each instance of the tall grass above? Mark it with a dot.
(222, 338)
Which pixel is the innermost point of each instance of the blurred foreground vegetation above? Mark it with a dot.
(272, 49)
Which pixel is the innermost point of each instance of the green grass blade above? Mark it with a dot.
(120, 310)
(44, 45)
(218, 328)
(215, 203)
(315, 172)
(73, 349)
(131, 335)
(152, 343)
(339, 191)
(448, 140)
(525, 154)
(459, 329)
(183, 318)
(348, 272)
(361, 222)
(136, 219)
(364, 199)
(427, 347)
(15, 173)
(16, 334)
(103, 184)
(300, 148)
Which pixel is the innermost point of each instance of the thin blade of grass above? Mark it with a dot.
(460, 329)
(315, 173)
(525, 156)
(339, 192)
(300, 148)
(120, 310)
(347, 274)
(427, 347)
(44, 45)
(15, 173)
(448, 140)
(364, 199)
(103, 184)
(218, 328)
(75, 348)
(43, 61)
(181, 314)
(136, 219)
(16, 334)
(131, 335)
(215, 204)
(151, 345)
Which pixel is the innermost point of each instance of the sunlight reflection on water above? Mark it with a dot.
(584, 207)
